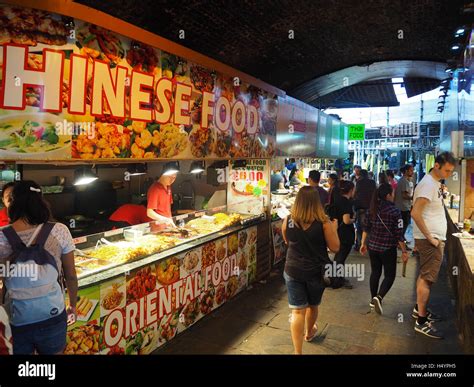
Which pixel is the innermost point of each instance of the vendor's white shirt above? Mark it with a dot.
(433, 213)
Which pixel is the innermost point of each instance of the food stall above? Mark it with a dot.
(77, 97)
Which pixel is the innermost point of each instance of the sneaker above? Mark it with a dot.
(371, 304)
(428, 329)
(377, 305)
(432, 317)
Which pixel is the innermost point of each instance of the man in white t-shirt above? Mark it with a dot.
(429, 232)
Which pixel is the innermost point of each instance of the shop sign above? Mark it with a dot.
(89, 93)
(356, 132)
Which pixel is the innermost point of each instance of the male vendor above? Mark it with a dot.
(159, 201)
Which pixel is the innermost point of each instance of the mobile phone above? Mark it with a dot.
(71, 318)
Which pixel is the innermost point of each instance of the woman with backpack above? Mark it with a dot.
(308, 234)
(34, 297)
(383, 231)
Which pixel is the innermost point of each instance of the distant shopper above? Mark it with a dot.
(404, 196)
(6, 199)
(345, 230)
(382, 233)
(429, 231)
(334, 191)
(391, 179)
(277, 180)
(355, 176)
(293, 178)
(314, 178)
(364, 190)
(40, 319)
(383, 178)
(308, 233)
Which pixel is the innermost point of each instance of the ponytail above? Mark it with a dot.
(380, 194)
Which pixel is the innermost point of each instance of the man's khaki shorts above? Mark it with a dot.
(430, 259)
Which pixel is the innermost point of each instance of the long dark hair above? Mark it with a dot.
(380, 194)
(28, 204)
(345, 186)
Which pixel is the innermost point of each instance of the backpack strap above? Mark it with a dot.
(44, 233)
(13, 238)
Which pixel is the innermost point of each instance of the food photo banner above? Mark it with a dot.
(73, 90)
(142, 310)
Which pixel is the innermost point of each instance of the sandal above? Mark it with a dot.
(310, 338)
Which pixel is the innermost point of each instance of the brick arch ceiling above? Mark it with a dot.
(329, 35)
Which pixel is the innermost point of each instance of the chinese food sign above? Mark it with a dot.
(70, 89)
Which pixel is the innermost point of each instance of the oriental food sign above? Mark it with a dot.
(70, 89)
(138, 312)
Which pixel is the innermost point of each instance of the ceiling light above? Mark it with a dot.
(456, 47)
(197, 167)
(460, 31)
(137, 169)
(171, 168)
(84, 175)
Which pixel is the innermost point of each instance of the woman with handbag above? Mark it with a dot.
(383, 231)
(308, 234)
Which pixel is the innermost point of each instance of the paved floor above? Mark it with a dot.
(256, 321)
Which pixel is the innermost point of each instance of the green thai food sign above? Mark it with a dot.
(356, 132)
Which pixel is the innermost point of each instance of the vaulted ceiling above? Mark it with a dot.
(328, 35)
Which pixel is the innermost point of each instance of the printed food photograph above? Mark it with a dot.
(243, 259)
(169, 326)
(83, 340)
(207, 301)
(252, 272)
(32, 27)
(190, 313)
(242, 239)
(144, 58)
(252, 236)
(233, 244)
(191, 262)
(202, 78)
(140, 283)
(253, 254)
(232, 286)
(112, 295)
(208, 254)
(201, 141)
(85, 307)
(221, 249)
(167, 270)
(143, 342)
(221, 295)
(31, 135)
(99, 43)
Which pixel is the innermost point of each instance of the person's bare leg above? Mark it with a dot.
(310, 317)
(297, 329)
(423, 288)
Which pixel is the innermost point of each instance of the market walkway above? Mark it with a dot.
(256, 321)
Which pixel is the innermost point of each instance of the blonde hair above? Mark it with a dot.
(307, 207)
